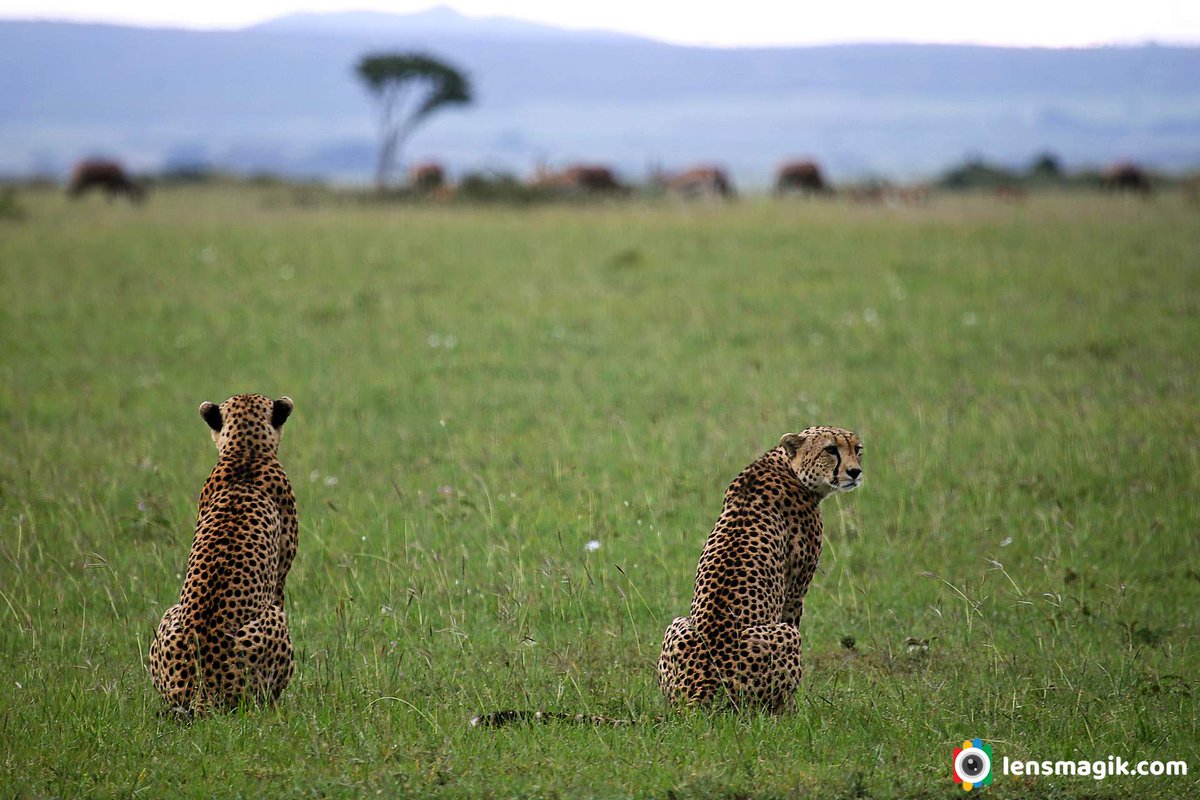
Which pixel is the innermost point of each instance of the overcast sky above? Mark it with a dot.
(1051, 23)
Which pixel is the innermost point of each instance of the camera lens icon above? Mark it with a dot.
(973, 764)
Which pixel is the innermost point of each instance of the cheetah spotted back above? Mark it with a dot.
(227, 637)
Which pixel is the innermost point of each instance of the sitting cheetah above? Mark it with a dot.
(742, 640)
(227, 638)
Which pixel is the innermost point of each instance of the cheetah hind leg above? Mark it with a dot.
(686, 673)
(263, 649)
(172, 663)
(769, 670)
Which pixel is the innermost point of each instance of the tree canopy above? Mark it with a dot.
(408, 88)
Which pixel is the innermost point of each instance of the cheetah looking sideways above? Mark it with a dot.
(227, 638)
(742, 640)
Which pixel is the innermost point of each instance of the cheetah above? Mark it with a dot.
(741, 641)
(227, 638)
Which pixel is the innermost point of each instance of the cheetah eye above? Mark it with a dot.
(831, 449)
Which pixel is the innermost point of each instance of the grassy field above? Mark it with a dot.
(480, 393)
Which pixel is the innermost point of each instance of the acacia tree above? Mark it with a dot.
(408, 88)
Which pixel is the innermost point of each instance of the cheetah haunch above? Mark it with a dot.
(741, 641)
(227, 638)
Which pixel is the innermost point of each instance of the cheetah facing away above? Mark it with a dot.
(741, 641)
(227, 638)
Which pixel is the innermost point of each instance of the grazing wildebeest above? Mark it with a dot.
(701, 182)
(428, 176)
(110, 176)
(803, 177)
(1126, 176)
(579, 179)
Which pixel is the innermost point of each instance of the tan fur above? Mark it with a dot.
(227, 638)
(741, 640)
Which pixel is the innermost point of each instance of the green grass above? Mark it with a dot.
(481, 392)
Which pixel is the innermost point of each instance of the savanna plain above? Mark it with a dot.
(513, 430)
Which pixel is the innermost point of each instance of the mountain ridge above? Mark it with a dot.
(438, 20)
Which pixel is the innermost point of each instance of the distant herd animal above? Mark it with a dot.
(701, 182)
(579, 179)
(104, 175)
(802, 177)
(428, 176)
(1127, 177)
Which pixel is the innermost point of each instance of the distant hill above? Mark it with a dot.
(281, 96)
(438, 22)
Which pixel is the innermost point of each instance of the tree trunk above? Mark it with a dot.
(387, 152)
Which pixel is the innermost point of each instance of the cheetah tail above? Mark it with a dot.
(498, 719)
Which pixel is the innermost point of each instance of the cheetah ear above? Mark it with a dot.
(281, 411)
(212, 415)
(791, 442)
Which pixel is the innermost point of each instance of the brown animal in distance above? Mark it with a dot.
(579, 179)
(105, 175)
(1126, 176)
(704, 181)
(800, 177)
(428, 176)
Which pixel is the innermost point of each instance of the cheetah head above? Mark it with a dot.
(247, 421)
(826, 460)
